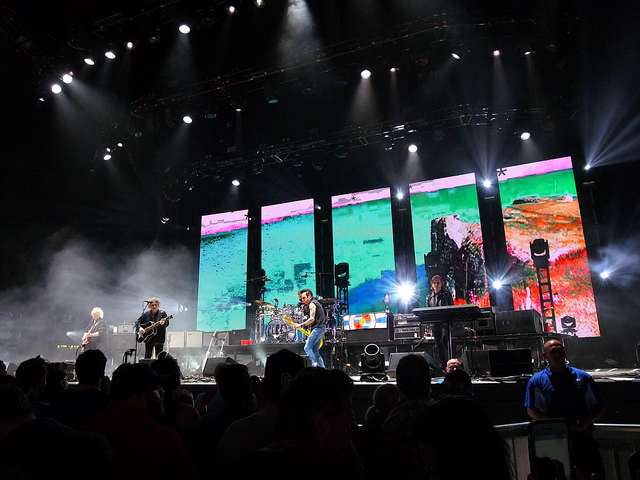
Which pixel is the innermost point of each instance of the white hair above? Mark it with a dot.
(99, 310)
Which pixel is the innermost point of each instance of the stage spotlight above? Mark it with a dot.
(365, 74)
(55, 88)
(260, 3)
(235, 182)
(605, 274)
(527, 52)
(413, 148)
(568, 324)
(187, 119)
(525, 136)
(110, 54)
(106, 156)
(406, 293)
(257, 167)
(486, 183)
(130, 45)
(400, 195)
(394, 70)
(540, 253)
(318, 164)
(67, 78)
(232, 10)
(497, 284)
(164, 220)
(270, 94)
(184, 28)
(342, 275)
(372, 364)
(89, 61)
(587, 167)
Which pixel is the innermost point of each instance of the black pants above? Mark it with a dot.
(441, 336)
(148, 349)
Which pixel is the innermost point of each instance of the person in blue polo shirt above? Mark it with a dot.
(562, 391)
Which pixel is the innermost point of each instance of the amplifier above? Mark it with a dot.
(236, 336)
(407, 332)
(175, 339)
(194, 339)
(521, 321)
(123, 328)
(402, 319)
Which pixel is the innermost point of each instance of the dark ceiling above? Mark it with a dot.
(318, 137)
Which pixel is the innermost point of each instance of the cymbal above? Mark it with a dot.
(329, 300)
(262, 303)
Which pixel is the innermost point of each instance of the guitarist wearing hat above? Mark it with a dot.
(152, 328)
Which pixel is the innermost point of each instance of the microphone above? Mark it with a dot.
(147, 301)
(267, 279)
(304, 276)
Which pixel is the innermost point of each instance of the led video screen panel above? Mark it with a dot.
(288, 251)
(539, 201)
(222, 288)
(448, 238)
(363, 238)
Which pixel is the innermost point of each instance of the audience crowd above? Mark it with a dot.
(295, 422)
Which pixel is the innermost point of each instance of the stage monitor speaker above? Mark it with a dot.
(194, 340)
(520, 321)
(210, 365)
(394, 358)
(476, 362)
(510, 363)
(175, 340)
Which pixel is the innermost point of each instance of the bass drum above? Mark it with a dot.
(279, 331)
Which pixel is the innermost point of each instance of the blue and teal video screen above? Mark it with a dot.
(288, 251)
(448, 238)
(363, 238)
(539, 201)
(222, 288)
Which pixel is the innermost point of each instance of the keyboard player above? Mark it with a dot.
(440, 296)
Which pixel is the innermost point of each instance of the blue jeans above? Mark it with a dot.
(312, 347)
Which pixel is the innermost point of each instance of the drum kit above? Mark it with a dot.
(279, 330)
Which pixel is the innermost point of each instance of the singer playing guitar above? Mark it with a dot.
(155, 337)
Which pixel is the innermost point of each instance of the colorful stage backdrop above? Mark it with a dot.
(223, 271)
(539, 200)
(448, 238)
(363, 238)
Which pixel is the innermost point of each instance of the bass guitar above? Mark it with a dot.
(150, 330)
(305, 332)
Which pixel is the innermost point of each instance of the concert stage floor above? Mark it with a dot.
(503, 398)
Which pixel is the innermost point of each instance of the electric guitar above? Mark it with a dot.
(306, 332)
(150, 330)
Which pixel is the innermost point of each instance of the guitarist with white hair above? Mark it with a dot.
(152, 328)
(96, 332)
